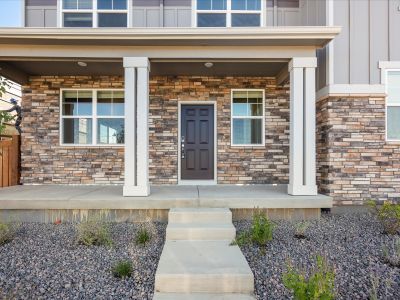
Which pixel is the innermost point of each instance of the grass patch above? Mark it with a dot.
(94, 232)
(391, 254)
(143, 237)
(7, 232)
(388, 215)
(301, 230)
(122, 269)
(320, 284)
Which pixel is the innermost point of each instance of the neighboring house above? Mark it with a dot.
(141, 92)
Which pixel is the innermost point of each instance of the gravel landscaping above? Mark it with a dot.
(351, 243)
(45, 262)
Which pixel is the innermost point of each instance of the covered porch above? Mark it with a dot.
(288, 55)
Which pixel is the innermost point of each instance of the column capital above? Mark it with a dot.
(302, 62)
(136, 62)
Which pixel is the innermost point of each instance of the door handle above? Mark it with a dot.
(183, 147)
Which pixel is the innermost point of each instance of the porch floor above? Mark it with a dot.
(162, 197)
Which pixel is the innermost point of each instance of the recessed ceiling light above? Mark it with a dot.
(208, 64)
(82, 64)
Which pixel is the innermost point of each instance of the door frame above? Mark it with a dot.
(197, 182)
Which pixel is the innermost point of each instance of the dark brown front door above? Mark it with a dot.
(197, 142)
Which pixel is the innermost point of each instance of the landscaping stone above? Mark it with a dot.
(352, 243)
(44, 262)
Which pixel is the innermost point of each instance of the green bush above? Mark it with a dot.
(391, 254)
(7, 232)
(122, 269)
(94, 232)
(143, 236)
(388, 215)
(319, 285)
(262, 229)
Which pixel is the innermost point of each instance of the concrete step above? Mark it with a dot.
(200, 231)
(203, 267)
(201, 296)
(200, 215)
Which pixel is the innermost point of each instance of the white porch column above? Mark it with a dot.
(136, 126)
(302, 157)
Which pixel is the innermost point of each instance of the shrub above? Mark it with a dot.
(94, 232)
(388, 215)
(7, 232)
(262, 229)
(300, 231)
(122, 269)
(143, 236)
(391, 254)
(320, 284)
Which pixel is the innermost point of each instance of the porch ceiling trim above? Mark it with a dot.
(270, 36)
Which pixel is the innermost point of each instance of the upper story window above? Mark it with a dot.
(229, 13)
(393, 106)
(95, 13)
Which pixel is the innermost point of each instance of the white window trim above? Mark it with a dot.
(94, 117)
(385, 72)
(229, 11)
(95, 12)
(249, 117)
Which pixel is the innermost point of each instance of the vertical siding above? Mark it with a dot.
(41, 13)
(369, 35)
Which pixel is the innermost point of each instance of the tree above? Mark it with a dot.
(4, 116)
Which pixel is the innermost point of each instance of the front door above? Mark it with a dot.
(197, 142)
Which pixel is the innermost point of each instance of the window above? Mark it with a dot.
(95, 13)
(229, 13)
(247, 121)
(92, 117)
(393, 106)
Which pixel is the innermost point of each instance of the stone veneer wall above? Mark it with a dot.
(45, 161)
(266, 164)
(355, 163)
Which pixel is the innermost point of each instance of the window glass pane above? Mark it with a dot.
(245, 20)
(118, 103)
(211, 4)
(77, 131)
(110, 131)
(393, 123)
(247, 103)
(211, 20)
(78, 20)
(247, 131)
(246, 4)
(70, 4)
(104, 4)
(110, 103)
(70, 103)
(119, 4)
(85, 4)
(393, 87)
(112, 20)
(84, 103)
(240, 103)
(239, 4)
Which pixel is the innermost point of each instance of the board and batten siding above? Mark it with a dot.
(40, 13)
(369, 35)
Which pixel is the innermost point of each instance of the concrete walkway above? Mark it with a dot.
(198, 261)
(162, 197)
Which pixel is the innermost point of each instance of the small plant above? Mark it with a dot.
(262, 229)
(300, 231)
(122, 269)
(94, 232)
(391, 254)
(388, 215)
(241, 239)
(7, 232)
(143, 236)
(320, 284)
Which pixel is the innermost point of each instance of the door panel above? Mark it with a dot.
(197, 142)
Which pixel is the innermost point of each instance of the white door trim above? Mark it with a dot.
(197, 182)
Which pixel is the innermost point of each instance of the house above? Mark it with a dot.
(138, 93)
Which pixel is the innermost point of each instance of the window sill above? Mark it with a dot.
(249, 146)
(88, 146)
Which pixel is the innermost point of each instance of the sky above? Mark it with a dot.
(10, 13)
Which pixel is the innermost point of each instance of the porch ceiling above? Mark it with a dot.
(170, 68)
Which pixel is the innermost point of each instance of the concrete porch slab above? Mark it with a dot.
(162, 197)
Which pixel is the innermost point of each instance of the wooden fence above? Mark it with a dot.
(9, 160)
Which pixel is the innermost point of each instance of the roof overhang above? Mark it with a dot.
(260, 36)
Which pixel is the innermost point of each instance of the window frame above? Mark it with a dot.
(95, 14)
(229, 12)
(386, 80)
(262, 144)
(94, 117)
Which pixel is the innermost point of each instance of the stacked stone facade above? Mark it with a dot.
(45, 161)
(355, 163)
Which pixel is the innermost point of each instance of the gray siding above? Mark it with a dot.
(369, 34)
(41, 13)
